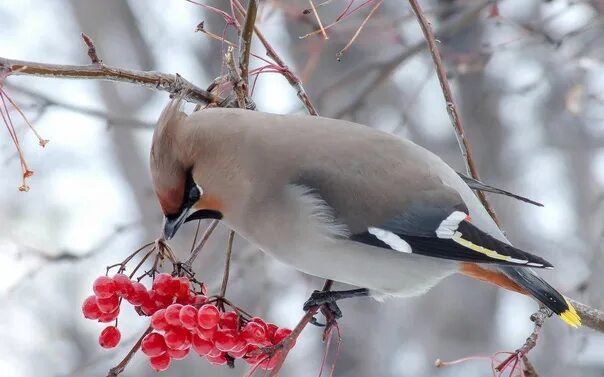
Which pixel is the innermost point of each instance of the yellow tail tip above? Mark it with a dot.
(570, 316)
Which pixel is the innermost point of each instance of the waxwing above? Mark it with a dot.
(337, 200)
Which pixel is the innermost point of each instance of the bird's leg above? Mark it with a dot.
(327, 300)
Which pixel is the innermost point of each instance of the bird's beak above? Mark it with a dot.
(172, 223)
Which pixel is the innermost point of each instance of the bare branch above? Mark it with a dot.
(289, 75)
(245, 42)
(387, 68)
(149, 79)
(466, 150)
(235, 78)
(115, 371)
(590, 317)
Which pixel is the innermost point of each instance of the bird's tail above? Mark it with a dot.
(538, 288)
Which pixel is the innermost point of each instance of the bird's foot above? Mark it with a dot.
(326, 300)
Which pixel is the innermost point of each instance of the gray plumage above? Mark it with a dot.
(298, 187)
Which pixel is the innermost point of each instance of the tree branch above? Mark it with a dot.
(149, 79)
(464, 145)
(590, 317)
(286, 72)
(245, 42)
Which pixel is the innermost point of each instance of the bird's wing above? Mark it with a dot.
(436, 223)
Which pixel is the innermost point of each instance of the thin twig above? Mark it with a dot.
(286, 345)
(203, 241)
(235, 78)
(358, 31)
(387, 68)
(149, 79)
(464, 145)
(227, 264)
(287, 73)
(538, 319)
(119, 368)
(245, 42)
(314, 11)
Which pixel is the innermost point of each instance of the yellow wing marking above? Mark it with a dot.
(457, 237)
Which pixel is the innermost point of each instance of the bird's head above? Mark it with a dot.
(173, 171)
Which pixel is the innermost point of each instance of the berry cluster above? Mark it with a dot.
(215, 335)
(181, 320)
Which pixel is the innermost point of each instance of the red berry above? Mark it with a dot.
(281, 334)
(110, 337)
(160, 300)
(103, 287)
(224, 340)
(201, 346)
(217, 360)
(253, 333)
(178, 354)
(183, 287)
(148, 306)
(214, 352)
(160, 363)
(178, 338)
(207, 334)
(165, 285)
(208, 316)
(241, 345)
(238, 354)
(259, 321)
(173, 314)
(108, 304)
(90, 308)
(108, 317)
(185, 300)
(229, 320)
(199, 300)
(271, 328)
(158, 320)
(123, 285)
(188, 317)
(154, 344)
(139, 294)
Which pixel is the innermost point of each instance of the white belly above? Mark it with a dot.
(383, 271)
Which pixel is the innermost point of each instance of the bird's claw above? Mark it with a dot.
(327, 302)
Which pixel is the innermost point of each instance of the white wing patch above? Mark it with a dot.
(390, 239)
(448, 226)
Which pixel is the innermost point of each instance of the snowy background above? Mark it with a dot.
(530, 88)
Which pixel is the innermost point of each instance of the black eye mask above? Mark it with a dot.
(192, 196)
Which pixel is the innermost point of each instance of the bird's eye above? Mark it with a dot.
(195, 194)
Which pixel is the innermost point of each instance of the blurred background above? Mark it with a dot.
(528, 79)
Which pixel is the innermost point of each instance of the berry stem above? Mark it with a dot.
(141, 263)
(203, 241)
(227, 264)
(119, 368)
(128, 259)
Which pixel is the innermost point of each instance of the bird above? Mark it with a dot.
(337, 200)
